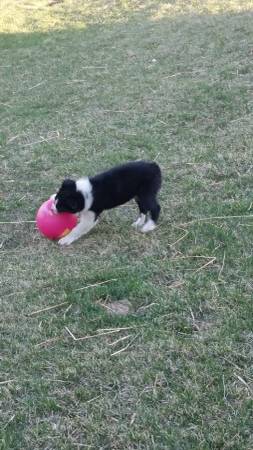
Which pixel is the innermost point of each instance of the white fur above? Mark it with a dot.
(84, 186)
(53, 207)
(149, 226)
(140, 221)
(87, 222)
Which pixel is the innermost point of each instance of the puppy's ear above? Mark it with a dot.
(69, 185)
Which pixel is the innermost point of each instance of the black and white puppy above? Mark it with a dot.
(139, 180)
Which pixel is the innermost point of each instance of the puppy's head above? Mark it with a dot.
(68, 199)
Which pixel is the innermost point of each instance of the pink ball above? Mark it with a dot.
(54, 225)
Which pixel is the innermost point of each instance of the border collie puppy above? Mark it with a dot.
(139, 180)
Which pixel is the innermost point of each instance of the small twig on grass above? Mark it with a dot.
(231, 362)
(182, 163)
(48, 341)
(224, 389)
(194, 320)
(94, 67)
(17, 222)
(174, 75)
(96, 335)
(9, 421)
(164, 315)
(36, 85)
(243, 382)
(127, 346)
(5, 104)
(120, 329)
(205, 265)
(175, 284)
(76, 81)
(105, 306)
(93, 399)
(222, 267)
(7, 381)
(120, 339)
(133, 417)
(144, 307)
(66, 310)
(13, 138)
(56, 380)
(79, 445)
(89, 336)
(48, 308)
(96, 284)
(114, 110)
(29, 144)
(191, 256)
(71, 334)
(180, 239)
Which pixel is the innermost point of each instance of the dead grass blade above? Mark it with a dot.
(127, 346)
(48, 341)
(91, 336)
(191, 257)
(96, 284)
(9, 421)
(47, 309)
(205, 265)
(176, 284)
(6, 382)
(179, 240)
(121, 328)
(17, 222)
(222, 267)
(120, 339)
(244, 382)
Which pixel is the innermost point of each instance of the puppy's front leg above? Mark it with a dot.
(87, 222)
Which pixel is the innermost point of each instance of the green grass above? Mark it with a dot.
(85, 85)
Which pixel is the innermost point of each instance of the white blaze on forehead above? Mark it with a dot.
(54, 203)
(84, 186)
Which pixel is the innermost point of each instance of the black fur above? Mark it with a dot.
(140, 180)
(68, 198)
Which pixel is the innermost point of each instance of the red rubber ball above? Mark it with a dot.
(54, 225)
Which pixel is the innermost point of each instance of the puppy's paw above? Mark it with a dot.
(149, 226)
(139, 222)
(67, 240)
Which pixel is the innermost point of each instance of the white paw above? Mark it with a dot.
(149, 226)
(140, 221)
(67, 240)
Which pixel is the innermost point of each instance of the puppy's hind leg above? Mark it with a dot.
(154, 209)
(142, 217)
(140, 221)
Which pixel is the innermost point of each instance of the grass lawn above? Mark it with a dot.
(85, 85)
